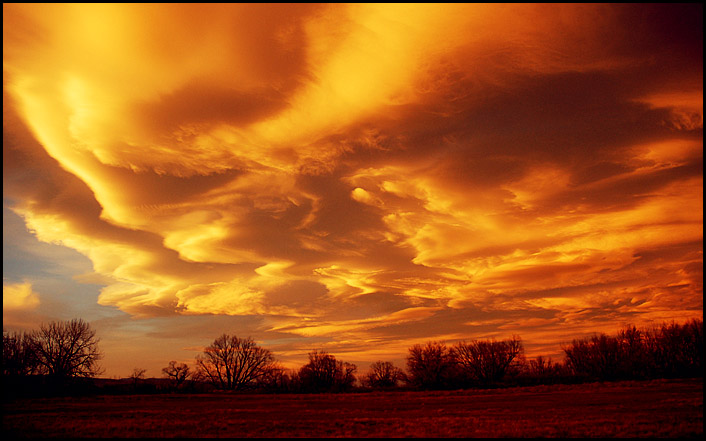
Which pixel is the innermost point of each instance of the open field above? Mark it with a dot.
(660, 408)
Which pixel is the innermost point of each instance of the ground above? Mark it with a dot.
(658, 408)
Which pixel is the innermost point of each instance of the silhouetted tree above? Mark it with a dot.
(635, 360)
(178, 373)
(232, 363)
(275, 378)
(487, 362)
(137, 375)
(384, 374)
(677, 350)
(542, 370)
(597, 357)
(199, 382)
(430, 366)
(671, 350)
(324, 373)
(67, 350)
(18, 356)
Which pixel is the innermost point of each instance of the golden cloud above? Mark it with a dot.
(286, 160)
(19, 296)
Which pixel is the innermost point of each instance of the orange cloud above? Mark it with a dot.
(401, 170)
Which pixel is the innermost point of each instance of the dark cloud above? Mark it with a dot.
(364, 177)
(201, 103)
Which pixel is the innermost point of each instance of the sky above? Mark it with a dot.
(350, 178)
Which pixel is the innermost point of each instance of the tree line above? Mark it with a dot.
(60, 354)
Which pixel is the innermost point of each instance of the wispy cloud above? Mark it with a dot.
(352, 172)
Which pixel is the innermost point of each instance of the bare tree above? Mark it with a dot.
(177, 372)
(634, 359)
(67, 350)
(542, 367)
(598, 357)
(345, 375)
(542, 370)
(324, 373)
(669, 350)
(275, 378)
(430, 366)
(137, 375)
(677, 349)
(319, 374)
(384, 374)
(487, 361)
(232, 363)
(18, 357)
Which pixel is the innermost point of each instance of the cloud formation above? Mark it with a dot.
(19, 296)
(367, 173)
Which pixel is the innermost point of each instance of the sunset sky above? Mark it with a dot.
(350, 178)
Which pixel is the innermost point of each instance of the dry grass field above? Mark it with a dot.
(660, 408)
